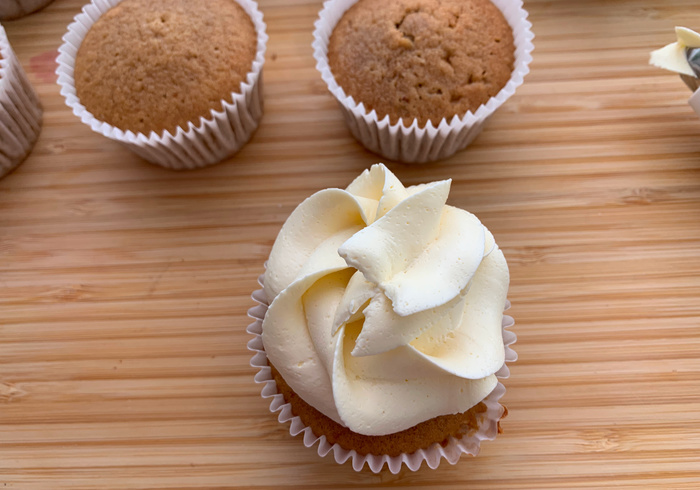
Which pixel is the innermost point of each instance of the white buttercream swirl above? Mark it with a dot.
(385, 304)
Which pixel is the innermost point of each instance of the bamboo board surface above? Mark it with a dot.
(124, 287)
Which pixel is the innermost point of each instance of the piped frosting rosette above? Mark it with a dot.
(386, 304)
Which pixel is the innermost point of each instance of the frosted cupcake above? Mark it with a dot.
(417, 78)
(176, 81)
(20, 110)
(384, 333)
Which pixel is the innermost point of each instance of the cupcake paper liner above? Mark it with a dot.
(20, 110)
(212, 139)
(452, 451)
(14, 9)
(411, 144)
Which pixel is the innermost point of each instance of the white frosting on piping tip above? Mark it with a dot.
(673, 56)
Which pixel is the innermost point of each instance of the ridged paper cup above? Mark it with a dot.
(20, 110)
(202, 142)
(411, 144)
(14, 9)
(451, 452)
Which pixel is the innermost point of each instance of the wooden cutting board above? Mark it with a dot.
(124, 287)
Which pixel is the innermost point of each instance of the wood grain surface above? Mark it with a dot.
(124, 287)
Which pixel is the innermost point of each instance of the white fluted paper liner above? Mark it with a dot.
(411, 144)
(468, 444)
(20, 110)
(212, 139)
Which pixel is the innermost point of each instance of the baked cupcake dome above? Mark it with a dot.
(411, 143)
(231, 119)
(422, 59)
(20, 110)
(143, 66)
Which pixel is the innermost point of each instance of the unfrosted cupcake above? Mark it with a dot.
(177, 81)
(14, 9)
(384, 333)
(20, 110)
(417, 78)
(422, 59)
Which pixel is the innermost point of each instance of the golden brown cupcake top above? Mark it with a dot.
(420, 436)
(423, 59)
(149, 65)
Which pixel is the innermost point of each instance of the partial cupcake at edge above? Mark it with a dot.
(20, 110)
(417, 79)
(385, 328)
(177, 82)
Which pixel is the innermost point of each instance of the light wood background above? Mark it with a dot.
(124, 287)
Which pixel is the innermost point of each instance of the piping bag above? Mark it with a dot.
(682, 57)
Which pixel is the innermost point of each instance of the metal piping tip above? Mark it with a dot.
(693, 57)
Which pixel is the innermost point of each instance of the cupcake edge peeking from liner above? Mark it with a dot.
(411, 144)
(452, 451)
(213, 139)
(20, 110)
